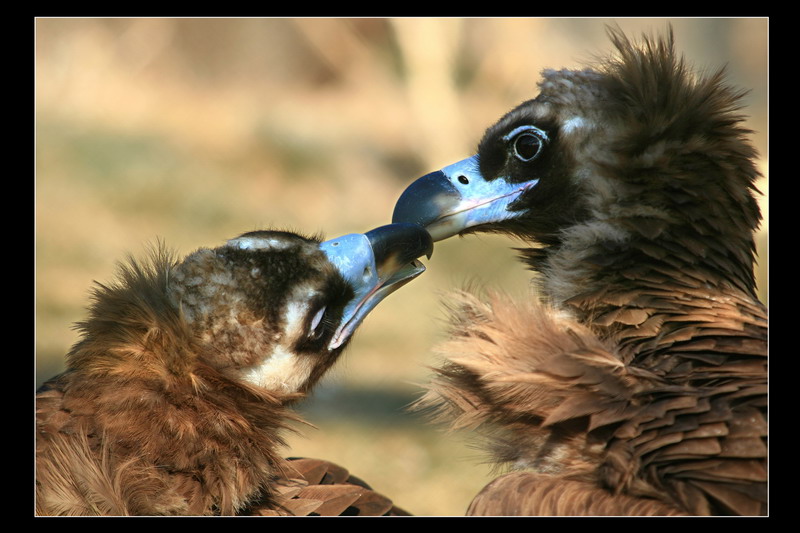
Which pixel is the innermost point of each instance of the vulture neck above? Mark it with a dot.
(635, 284)
(139, 379)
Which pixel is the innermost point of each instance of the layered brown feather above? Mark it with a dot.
(554, 398)
(315, 487)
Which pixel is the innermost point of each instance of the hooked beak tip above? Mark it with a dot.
(452, 200)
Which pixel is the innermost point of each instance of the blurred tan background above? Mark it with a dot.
(196, 130)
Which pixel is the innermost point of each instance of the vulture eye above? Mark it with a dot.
(315, 329)
(527, 146)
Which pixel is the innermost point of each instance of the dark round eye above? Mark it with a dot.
(463, 179)
(527, 146)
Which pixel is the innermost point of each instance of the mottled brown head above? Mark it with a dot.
(264, 306)
(269, 308)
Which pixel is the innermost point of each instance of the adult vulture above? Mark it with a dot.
(176, 395)
(637, 383)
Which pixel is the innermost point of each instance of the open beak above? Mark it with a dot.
(376, 263)
(456, 198)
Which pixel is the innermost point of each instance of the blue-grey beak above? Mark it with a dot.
(457, 197)
(376, 263)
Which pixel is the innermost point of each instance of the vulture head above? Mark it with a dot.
(627, 161)
(174, 398)
(636, 382)
(275, 310)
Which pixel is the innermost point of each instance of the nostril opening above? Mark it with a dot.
(463, 179)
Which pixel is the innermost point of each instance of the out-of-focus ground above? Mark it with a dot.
(195, 130)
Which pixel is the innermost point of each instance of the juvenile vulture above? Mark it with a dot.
(637, 383)
(176, 396)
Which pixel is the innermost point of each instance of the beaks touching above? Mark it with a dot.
(376, 263)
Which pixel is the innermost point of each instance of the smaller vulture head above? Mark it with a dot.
(275, 309)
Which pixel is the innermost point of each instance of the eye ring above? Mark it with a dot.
(527, 146)
(527, 142)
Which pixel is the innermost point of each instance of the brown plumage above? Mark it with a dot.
(176, 396)
(637, 383)
(321, 488)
